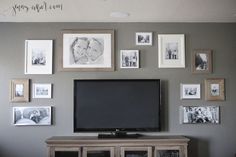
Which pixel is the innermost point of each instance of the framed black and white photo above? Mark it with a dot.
(190, 91)
(38, 56)
(171, 51)
(202, 61)
(143, 38)
(19, 90)
(37, 115)
(42, 90)
(214, 89)
(129, 58)
(88, 50)
(200, 114)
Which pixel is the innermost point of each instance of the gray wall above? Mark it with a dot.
(206, 140)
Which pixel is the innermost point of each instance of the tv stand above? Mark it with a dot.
(119, 134)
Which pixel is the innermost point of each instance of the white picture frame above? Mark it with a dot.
(38, 56)
(190, 91)
(143, 38)
(129, 59)
(42, 90)
(171, 51)
(199, 114)
(35, 115)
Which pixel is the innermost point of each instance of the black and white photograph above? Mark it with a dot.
(200, 114)
(215, 89)
(40, 115)
(19, 90)
(202, 61)
(90, 50)
(143, 38)
(168, 153)
(38, 56)
(129, 59)
(171, 50)
(42, 90)
(190, 91)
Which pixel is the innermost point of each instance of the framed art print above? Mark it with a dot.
(42, 90)
(129, 59)
(190, 91)
(88, 50)
(202, 61)
(143, 38)
(38, 56)
(19, 90)
(215, 89)
(171, 50)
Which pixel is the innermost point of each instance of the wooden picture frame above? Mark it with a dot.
(171, 50)
(214, 89)
(19, 90)
(202, 61)
(87, 50)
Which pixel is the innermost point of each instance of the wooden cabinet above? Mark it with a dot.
(146, 146)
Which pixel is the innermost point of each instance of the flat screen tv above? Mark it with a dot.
(111, 105)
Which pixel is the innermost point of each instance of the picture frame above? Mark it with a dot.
(129, 59)
(143, 38)
(190, 91)
(215, 89)
(88, 50)
(35, 115)
(199, 114)
(171, 51)
(38, 56)
(202, 61)
(19, 90)
(42, 90)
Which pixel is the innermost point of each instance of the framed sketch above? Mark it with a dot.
(190, 91)
(88, 50)
(143, 38)
(39, 115)
(171, 50)
(200, 114)
(19, 90)
(38, 56)
(129, 58)
(215, 89)
(202, 61)
(42, 90)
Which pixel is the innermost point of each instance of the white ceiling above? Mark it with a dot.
(100, 10)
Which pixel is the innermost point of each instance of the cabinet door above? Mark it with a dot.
(98, 151)
(136, 151)
(66, 152)
(169, 151)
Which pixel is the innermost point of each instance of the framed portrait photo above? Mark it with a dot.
(202, 61)
(42, 90)
(171, 50)
(199, 114)
(215, 89)
(38, 56)
(129, 58)
(88, 50)
(19, 90)
(143, 38)
(36, 115)
(190, 91)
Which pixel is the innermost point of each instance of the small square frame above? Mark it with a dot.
(42, 90)
(215, 89)
(19, 90)
(202, 61)
(38, 56)
(129, 59)
(143, 38)
(190, 91)
(171, 51)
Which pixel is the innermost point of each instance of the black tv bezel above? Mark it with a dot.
(93, 130)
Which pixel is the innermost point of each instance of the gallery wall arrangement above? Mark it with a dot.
(191, 63)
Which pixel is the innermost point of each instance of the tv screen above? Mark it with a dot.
(110, 105)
